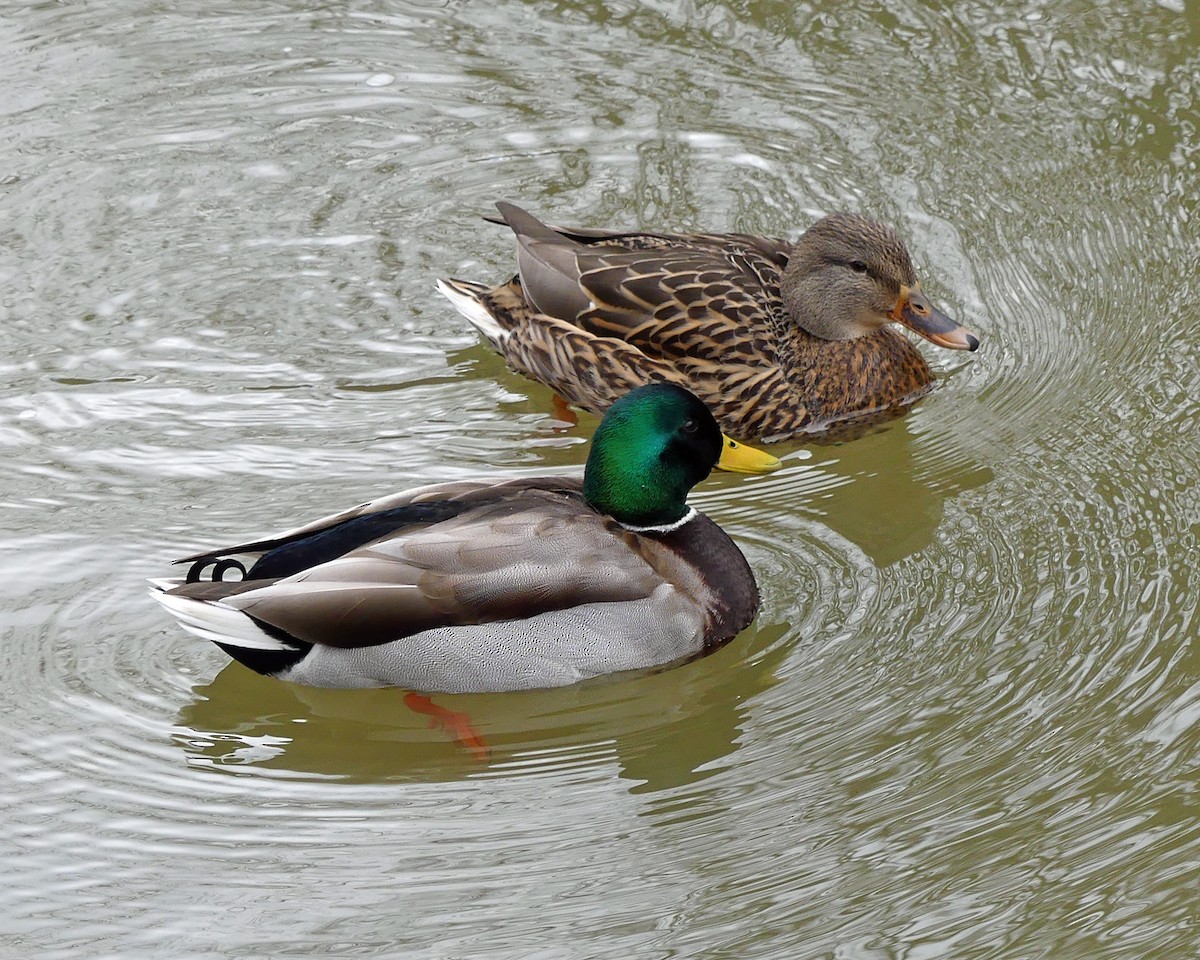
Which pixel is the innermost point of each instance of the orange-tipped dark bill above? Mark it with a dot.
(914, 310)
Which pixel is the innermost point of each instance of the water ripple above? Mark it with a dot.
(965, 721)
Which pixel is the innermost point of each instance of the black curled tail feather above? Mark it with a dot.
(220, 568)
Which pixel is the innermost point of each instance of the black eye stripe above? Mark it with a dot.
(858, 266)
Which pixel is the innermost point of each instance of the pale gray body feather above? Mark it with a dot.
(547, 650)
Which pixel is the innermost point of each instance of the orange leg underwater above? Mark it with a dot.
(564, 413)
(458, 725)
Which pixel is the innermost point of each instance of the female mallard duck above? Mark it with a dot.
(777, 338)
(476, 586)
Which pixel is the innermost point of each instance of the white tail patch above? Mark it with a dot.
(480, 317)
(213, 620)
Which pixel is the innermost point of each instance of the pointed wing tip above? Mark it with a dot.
(505, 207)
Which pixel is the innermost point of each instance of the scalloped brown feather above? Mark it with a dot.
(703, 311)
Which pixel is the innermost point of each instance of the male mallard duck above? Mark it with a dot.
(478, 586)
(777, 338)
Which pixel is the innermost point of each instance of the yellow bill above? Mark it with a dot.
(739, 458)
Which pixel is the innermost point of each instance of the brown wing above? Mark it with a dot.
(594, 313)
(669, 295)
(685, 301)
(539, 551)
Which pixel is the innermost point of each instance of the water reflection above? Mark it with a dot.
(899, 487)
(661, 730)
(967, 722)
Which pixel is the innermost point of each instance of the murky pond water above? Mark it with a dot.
(967, 721)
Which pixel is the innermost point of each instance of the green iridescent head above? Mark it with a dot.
(651, 448)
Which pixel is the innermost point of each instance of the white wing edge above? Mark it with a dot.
(213, 620)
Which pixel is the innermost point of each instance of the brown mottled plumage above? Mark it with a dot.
(777, 338)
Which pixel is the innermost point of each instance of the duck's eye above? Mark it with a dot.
(690, 426)
(858, 266)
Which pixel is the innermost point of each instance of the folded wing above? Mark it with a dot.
(499, 560)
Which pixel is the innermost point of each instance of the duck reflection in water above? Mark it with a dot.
(661, 729)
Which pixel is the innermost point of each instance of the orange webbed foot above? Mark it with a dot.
(457, 724)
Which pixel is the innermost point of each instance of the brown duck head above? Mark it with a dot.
(849, 275)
